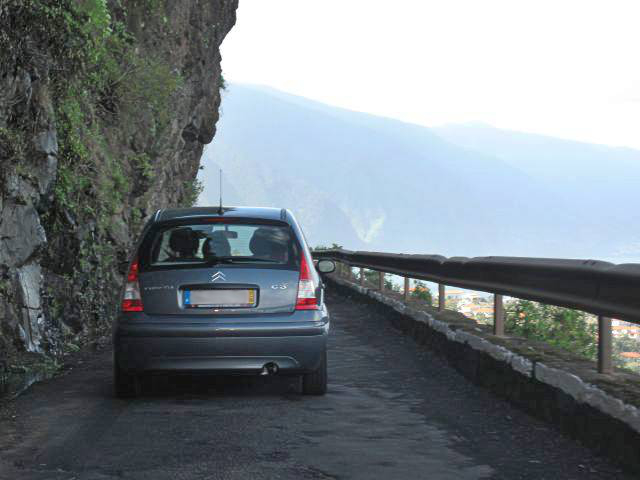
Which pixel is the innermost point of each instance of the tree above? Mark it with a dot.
(422, 292)
(626, 344)
(572, 330)
(334, 246)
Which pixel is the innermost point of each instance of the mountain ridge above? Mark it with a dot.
(387, 184)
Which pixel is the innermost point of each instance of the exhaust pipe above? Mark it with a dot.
(270, 368)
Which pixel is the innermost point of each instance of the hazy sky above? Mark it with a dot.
(565, 68)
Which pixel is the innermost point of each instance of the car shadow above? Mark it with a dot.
(185, 385)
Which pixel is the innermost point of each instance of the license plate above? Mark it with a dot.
(219, 298)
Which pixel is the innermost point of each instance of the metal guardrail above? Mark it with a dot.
(601, 288)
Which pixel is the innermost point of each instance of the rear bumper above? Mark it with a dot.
(143, 344)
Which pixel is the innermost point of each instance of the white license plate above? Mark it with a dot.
(219, 298)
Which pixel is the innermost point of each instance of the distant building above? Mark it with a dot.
(631, 355)
(620, 328)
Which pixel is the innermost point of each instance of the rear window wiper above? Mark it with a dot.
(246, 259)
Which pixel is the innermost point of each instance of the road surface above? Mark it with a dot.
(394, 411)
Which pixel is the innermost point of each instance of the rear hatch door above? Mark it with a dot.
(219, 266)
(215, 291)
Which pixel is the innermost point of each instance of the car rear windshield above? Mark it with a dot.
(219, 243)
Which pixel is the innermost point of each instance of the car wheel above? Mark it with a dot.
(315, 383)
(125, 385)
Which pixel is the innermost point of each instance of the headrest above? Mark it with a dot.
(216, 245)
(268, 242)
(184, 241)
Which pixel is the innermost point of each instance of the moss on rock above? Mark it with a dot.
(95, 100)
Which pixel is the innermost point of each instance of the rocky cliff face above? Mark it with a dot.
(105, 107)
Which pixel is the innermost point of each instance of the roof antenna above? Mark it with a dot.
(220, 210)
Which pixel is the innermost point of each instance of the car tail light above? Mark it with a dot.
(131, 300)
(306, 289)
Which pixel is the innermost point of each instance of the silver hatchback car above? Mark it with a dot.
(227, 291)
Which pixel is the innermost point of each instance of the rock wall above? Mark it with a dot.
(105, 107)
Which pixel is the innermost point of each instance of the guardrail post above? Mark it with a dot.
(381, 281)
(605, 359)
(441, 297)
(498, 316)
(407, 282)
(361, 277)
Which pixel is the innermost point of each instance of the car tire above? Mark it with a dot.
(315, 383)
(125, 385)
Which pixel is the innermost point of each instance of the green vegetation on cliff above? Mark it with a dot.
(105, 106)
(99, 84)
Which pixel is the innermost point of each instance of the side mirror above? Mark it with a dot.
(326, 266)
(122, 267)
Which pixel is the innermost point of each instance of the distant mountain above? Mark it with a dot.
(369, 182)
(601, 184)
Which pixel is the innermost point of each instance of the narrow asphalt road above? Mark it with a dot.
(393, 411)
